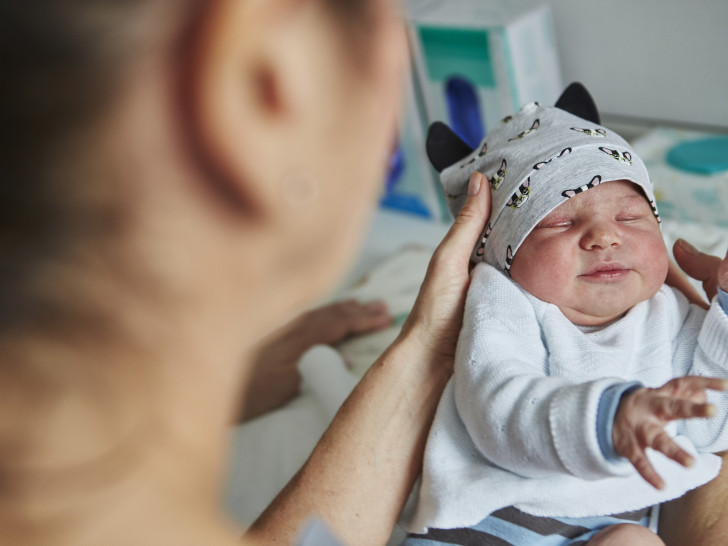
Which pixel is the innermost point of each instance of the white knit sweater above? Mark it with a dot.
(516, 426)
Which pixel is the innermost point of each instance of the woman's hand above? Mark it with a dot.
(275, 378)
(642, 416)
(710, 270)
(699, 517)
(436, 317)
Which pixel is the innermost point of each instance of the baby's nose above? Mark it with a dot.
(601, 235)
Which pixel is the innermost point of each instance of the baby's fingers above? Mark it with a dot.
(693, 386)
(716, 384)
(671, 409)
(642, 464)
(664, 444)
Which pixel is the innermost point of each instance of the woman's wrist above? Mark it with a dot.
(376, 442)
(420, 364)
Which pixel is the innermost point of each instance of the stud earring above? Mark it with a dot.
(299, 189)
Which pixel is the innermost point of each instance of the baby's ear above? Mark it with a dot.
(577, 100)
(444, 147)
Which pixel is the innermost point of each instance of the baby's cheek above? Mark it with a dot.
(655, 261)
(544, 278)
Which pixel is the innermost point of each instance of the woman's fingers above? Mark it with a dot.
(723, 274)
(698, 265)
(437, 315)
(679, 281)
(469, 224)
(334, 322)
(364, 317)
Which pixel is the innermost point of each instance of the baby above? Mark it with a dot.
(564, 422)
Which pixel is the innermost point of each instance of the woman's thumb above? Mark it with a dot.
(471, 220)
(723, 274)
(698, 265)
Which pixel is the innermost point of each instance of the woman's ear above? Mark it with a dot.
(245, 94)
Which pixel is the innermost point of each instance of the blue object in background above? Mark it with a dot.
(396, 168)
(401, 201)
(703, 156)
(405, 203)
(464, 110)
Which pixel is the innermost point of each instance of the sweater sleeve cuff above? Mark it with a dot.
(606, 411)
(723, 299)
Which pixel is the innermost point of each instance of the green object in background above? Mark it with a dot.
(703, 156)
(455, 51)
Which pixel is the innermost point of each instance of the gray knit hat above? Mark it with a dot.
(534, 160)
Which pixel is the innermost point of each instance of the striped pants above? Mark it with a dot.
(511, 527)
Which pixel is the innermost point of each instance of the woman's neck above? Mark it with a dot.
(116, 405)
(97, 423)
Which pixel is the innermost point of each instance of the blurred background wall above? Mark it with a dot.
(658, 71)
(663, 61)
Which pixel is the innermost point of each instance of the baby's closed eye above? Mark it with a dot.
(632, 214)
(629, 218)
(555, 222)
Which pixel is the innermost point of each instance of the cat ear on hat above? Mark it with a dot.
(577, 101)
(444, 147)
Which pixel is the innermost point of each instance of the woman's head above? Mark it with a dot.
(176, 176)
(267, 118)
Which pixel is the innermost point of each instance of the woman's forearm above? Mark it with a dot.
(363, 469)
(700, 517)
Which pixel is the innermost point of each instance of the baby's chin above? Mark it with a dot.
(599, 315)
(610, 305)
(593, 318)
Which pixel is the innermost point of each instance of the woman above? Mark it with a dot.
(177, 177)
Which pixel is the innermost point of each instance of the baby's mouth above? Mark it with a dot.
(606, 271)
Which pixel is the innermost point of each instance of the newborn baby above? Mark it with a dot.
(579, 398)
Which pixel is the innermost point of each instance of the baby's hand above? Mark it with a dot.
(642, 415)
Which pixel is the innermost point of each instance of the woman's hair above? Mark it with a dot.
(62, 65)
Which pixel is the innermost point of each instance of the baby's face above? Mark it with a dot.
(596, 255)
